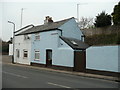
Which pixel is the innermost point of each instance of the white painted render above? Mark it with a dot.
(103, 58)
(22, 45)
(71, 29)
(10, 49)
(62, 55)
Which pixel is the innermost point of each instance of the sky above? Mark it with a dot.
(34, 12)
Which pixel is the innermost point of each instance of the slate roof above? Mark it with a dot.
(45, 27)
(24, 28)
(75, 43)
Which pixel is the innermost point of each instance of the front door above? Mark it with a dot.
(79, 61)
(48, 57)
(17, 56)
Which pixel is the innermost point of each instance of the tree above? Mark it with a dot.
(116, 14)
(4, 47)
(85, 23)
(102, 20)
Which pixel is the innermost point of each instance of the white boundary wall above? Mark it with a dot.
(103, 58)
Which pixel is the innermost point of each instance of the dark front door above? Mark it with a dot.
(79, 61)
(48, 57)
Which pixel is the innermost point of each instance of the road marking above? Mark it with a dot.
(58, 85)
(14, 74)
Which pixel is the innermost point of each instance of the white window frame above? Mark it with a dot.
(37, 36)
(37, 52)
(25, 52)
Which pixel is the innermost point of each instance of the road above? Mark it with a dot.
(15, 76)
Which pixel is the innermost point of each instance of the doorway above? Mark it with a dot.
(80, 61)
(48, 57)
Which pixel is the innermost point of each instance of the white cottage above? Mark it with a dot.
(53, 44)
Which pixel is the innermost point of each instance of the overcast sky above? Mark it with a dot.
(35, 11)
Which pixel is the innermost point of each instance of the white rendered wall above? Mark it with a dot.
(70, 29)
(61, 55)
(103, 58)
(10, 49)
(64, 55)
(22, 44)
(47, 41)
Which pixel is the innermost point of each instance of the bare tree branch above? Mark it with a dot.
(85, 22)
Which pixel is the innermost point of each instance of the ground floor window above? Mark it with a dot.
(25, 53)
(37, 55)
(17, 53)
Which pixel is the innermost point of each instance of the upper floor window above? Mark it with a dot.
(26, 37)
(37, 36)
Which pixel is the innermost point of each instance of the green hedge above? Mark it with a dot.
(111, 39)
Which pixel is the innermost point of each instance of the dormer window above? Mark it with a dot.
(37, 36)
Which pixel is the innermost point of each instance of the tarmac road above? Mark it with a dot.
(22, 77)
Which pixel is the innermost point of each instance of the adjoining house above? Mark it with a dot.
(53, 44)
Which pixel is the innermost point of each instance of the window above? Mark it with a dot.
(82, 38)
(26, 37)
(73, 42)
(25, 53)
(37, 55)
(37, 36)
(17, 53)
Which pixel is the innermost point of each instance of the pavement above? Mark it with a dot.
(6, 58)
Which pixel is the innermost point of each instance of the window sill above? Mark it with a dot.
(24, 57)
(36, 59)
(37, 40)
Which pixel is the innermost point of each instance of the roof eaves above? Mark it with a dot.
(38, 31)
(24, 28)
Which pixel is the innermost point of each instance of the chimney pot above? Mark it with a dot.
(48, 20)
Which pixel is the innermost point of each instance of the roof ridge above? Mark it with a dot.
(64, 20)
(24, 28)
(57, 21)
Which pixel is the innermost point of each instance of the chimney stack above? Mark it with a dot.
(48, 20)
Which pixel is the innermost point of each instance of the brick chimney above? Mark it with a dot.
(48, 20)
